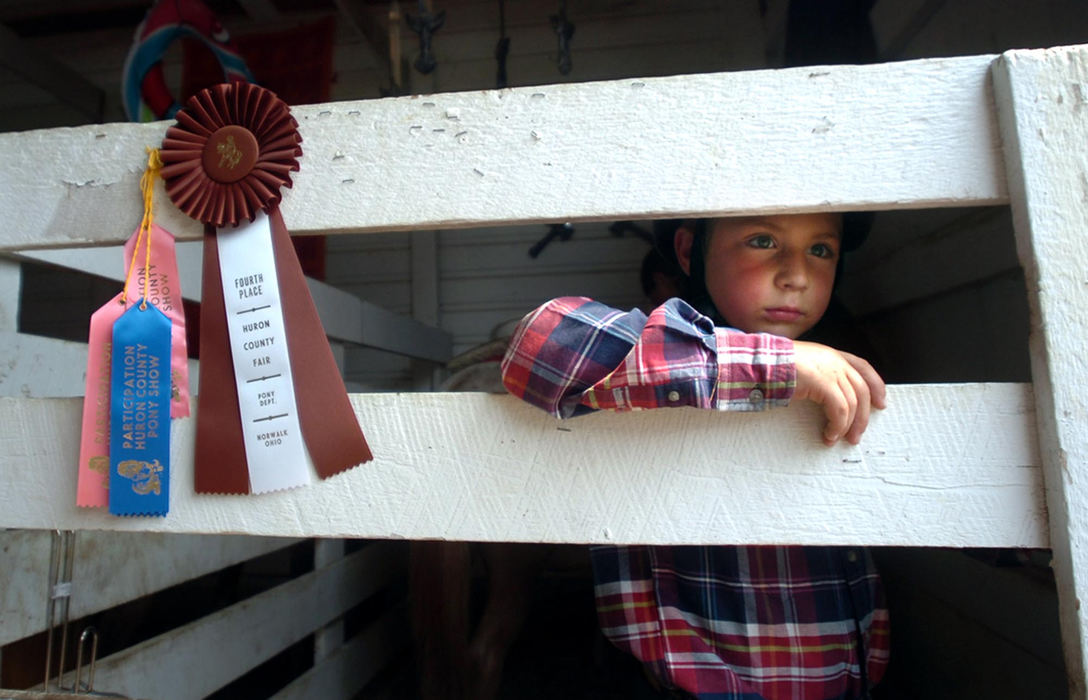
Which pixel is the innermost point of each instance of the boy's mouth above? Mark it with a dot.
(783, 314)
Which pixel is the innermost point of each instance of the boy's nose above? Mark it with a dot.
(792, 271)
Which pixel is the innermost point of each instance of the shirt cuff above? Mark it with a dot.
(756, 371)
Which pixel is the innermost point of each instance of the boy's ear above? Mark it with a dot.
(681, 243)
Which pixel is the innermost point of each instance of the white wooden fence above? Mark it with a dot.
(950, 465)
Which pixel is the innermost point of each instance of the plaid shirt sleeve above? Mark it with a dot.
(574, 355)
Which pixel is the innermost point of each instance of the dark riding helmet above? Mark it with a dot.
(855, 229)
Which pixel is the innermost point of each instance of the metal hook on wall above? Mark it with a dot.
(426, 24)
(564, 30)
(561, 231)
(89, 634)
(396, 79)
(502, 49)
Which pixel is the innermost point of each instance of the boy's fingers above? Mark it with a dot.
(846, 387)
(861, 418)
(840, 407)
(877, 389)
(835, 411)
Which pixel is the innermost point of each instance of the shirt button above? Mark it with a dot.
(851, 556)
(755, 396)
(674, 396)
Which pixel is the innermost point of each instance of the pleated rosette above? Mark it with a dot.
(230, 154)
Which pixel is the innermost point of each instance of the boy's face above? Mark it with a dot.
(770, 274)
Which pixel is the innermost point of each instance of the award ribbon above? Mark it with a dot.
(164, 293)
(271, 433)
(227, 158)
(92, 485)
(125, 395)
(140, 385)
(140, 412)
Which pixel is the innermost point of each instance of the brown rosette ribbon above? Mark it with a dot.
(227, 158)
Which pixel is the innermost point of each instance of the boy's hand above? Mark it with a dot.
(844, 384)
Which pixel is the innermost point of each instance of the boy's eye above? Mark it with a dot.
(822, 250)
(761, 241)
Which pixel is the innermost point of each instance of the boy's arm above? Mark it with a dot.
(574, 355)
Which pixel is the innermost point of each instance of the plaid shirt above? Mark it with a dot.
(720, 623)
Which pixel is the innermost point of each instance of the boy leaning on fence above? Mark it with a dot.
(724, 622)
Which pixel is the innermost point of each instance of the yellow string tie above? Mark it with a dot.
(147, 188)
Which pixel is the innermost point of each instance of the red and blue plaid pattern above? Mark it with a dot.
(747, 623)
(720, 623)
(574, 355)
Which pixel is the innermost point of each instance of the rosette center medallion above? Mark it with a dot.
(230, 154)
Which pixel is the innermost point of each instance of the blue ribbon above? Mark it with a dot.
(140, 413)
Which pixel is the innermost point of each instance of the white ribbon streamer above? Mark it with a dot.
(275, 450)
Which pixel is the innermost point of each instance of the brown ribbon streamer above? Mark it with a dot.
(329, 427)
(328, 422)
(220, 453)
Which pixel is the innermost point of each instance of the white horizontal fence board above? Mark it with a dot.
(348, 318)
(110, 263)
(34, 366)
(485, 276)
(196, 659)
(752, 141)
(945, 465)
(355, 664)
(109, 568)
(1043, 109)
(38, 367)
(344, 316)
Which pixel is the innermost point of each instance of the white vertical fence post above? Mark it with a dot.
(424, 298)
(1042, 103)
(330, 637)
(11, 278)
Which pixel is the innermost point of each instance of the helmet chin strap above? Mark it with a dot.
(697, 295)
